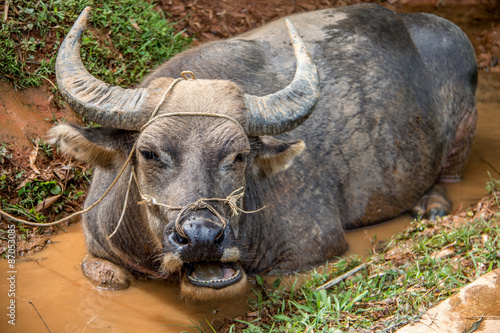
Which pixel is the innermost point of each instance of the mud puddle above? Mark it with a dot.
(52, 280)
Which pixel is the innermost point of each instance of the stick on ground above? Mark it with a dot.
(339, 279)
(39, 315)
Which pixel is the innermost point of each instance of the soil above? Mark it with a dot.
(29, 114)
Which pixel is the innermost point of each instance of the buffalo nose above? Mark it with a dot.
(200, 231)
(199, 239)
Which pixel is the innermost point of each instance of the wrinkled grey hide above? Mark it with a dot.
(395, 115)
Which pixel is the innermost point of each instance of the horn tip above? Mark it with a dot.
(291, 27)
(83, 17)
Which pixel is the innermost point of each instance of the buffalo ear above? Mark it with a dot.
(275, 155)
(100, 146)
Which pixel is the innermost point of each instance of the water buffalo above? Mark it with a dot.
(220, 184)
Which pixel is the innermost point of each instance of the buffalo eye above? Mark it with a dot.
(234, 161)
(239, 158)
(149, 155)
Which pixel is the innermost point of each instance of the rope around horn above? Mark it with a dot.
(231, 199)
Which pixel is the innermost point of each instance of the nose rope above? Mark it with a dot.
(231, 200)
(199, 204)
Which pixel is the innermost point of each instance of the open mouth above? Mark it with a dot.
(213, 274)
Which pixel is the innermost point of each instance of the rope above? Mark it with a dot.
(77, 213)
(231, 200)
(124, 206)
(201, 203)
(198, 114)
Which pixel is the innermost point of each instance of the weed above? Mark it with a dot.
(493, 187)
(32, 194)
(3, 182)
(127, 39)
(45, 148)
(5, 154)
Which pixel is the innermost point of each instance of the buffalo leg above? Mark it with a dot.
(434, 203)
(105, 274)
(452, 169)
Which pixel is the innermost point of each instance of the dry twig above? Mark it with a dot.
(89, 323)
(339, 279)
(6, 10)
(39, 315)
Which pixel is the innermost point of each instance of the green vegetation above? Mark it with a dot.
(4, 152)
(125, 39)
(418, 268)
(32, 194)
(41, 195)
(493, 186)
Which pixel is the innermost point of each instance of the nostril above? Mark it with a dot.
(220, 237)
(179, 239)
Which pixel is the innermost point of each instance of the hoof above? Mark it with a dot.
(433, 205)
(434, 214)
(104, 274)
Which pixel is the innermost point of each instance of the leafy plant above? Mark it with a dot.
(5, 154)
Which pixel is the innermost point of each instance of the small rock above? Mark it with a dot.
(465, 309)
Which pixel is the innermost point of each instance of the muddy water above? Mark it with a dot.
(67, 302)
(52, 280)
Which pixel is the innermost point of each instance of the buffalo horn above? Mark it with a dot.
(97, 101)
(286, 109)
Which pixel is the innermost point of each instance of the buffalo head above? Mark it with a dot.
(189, 166)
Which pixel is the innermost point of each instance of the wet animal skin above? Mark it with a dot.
(392, 114)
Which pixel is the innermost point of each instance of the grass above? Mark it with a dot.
(418, 268)
(125, 40)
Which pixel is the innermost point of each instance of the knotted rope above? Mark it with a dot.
(231, 200)
(201, 203)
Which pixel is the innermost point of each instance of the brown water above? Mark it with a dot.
(67, 301)
(53, 281)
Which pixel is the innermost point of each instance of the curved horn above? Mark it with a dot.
(286, 109)
(97, 101)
